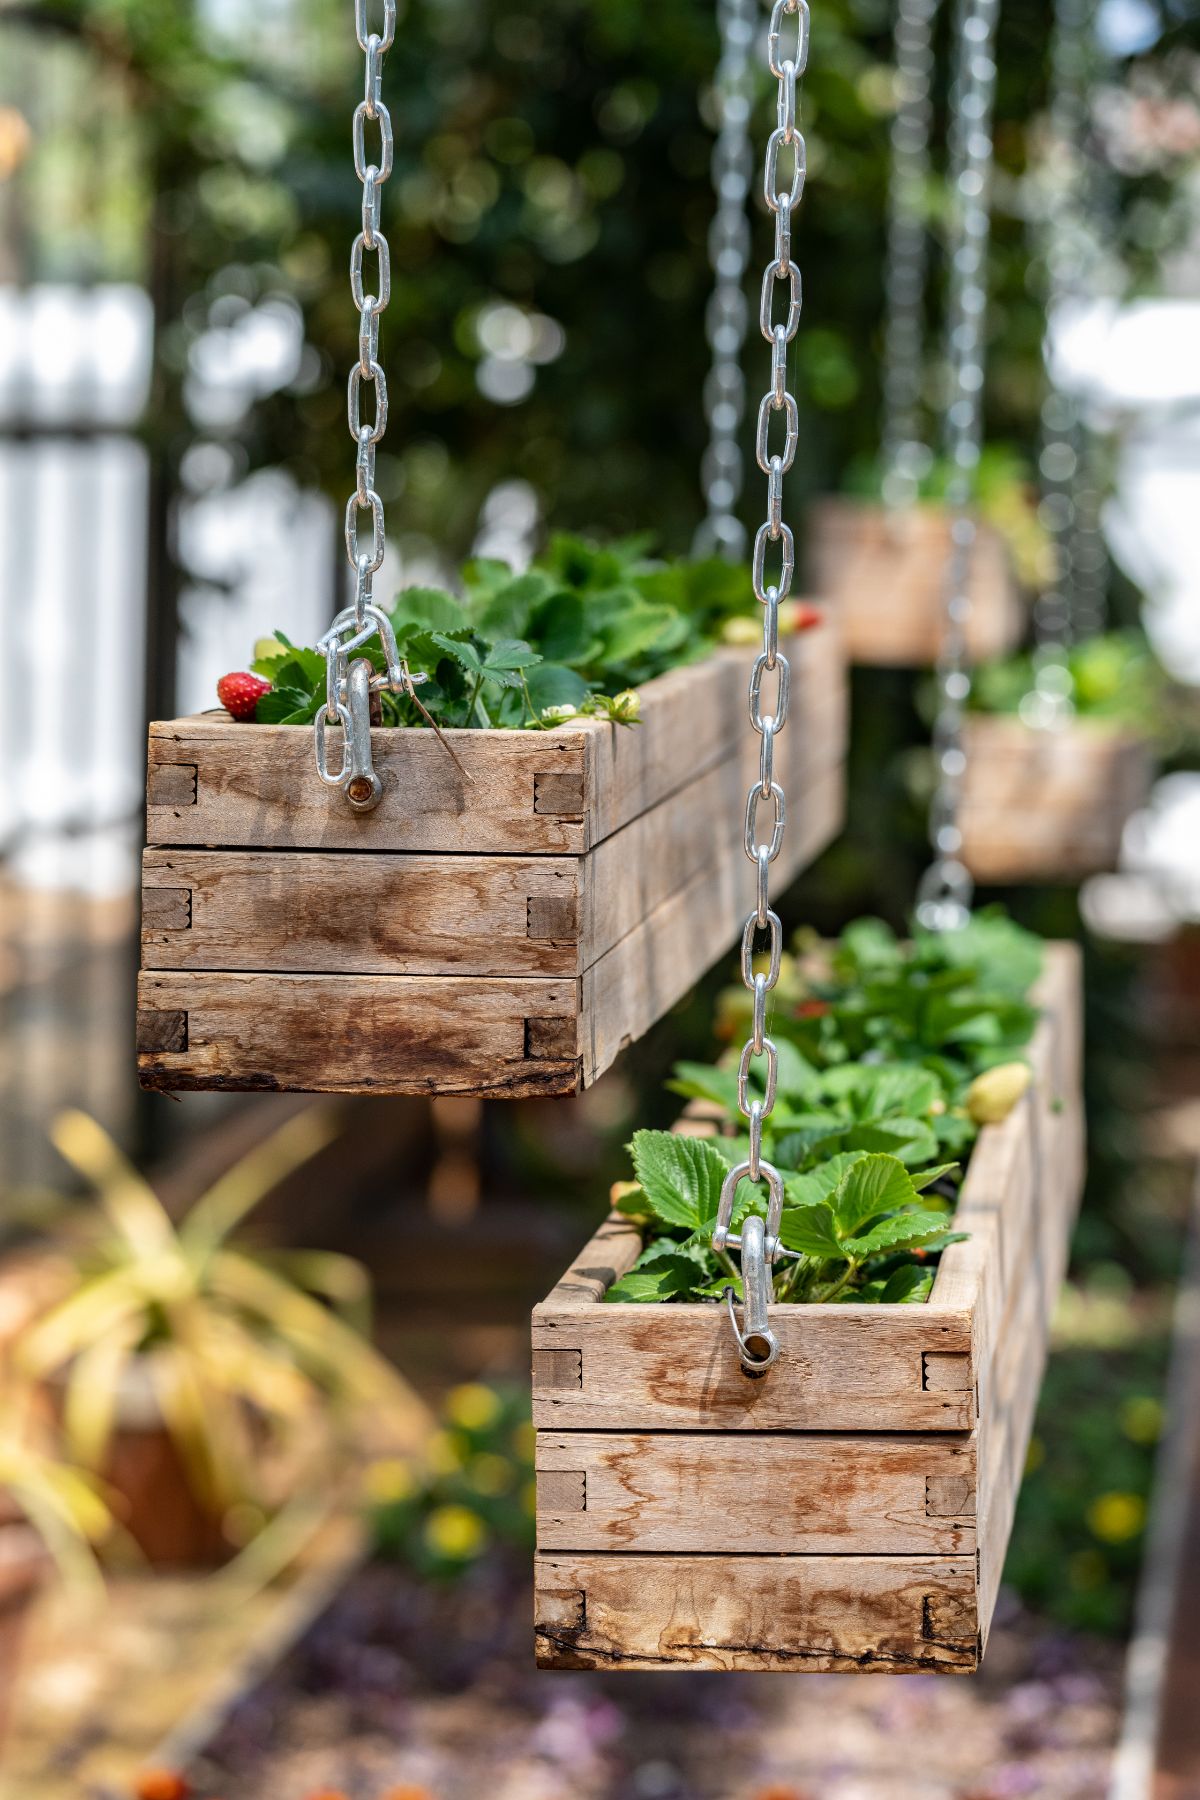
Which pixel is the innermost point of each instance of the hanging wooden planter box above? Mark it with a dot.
(883, 574)
(849, 1511)
(1048, 805)
(502, 933)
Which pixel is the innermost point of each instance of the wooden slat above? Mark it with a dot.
(356, 1033)
(824, 1493)
(821, 1614)
(542, 793)
(1048, 805)
(883, 575)
(857, 1368)
(288, 911)
(293, 912)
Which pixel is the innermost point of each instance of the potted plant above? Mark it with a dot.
(1058, 757)
(204, 1383)
(882, 567)
(549, 864)
(907, 1310)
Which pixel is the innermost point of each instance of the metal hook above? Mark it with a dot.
(757, 1344)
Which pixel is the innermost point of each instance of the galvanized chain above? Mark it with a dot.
(721, 532)
(349, 686)
(783, 184)
(906, 454)
(945, 892)
(1071, 603)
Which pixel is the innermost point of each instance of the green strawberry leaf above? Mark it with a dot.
(872, 1185)
(667, 1275)
(811, 1229)
(680, 1176)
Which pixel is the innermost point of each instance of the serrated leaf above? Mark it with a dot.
(811, 1229)
(910, 1139)
(872, 1185)
(906, 1231)
(819, 1183)
(926, 1177)
(658, 1280)
(429, 609)
(680, 1176)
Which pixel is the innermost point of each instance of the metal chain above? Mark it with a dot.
(347, 701)
(1071, 603)
(945, 892)
(727, 315)
(783, 184)
(906, 455)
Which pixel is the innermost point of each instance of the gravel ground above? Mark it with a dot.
(404, 1691)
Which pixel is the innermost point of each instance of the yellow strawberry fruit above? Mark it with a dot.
(992, 1095)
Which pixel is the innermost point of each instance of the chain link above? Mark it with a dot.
(945, 892)
(783, 178)
(1070, 604)
(347, 701)
(727, 316)
(905, 452)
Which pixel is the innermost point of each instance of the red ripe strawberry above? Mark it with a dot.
(240, 693)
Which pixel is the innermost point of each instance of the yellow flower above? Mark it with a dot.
(1116, 1517)
(490, 1474)
(992, 1095)
(388, 1480)
(741, 630)
(455, 1532)
(1142, 1418)
(472, 1406)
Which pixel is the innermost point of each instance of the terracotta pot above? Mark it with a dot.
(24, 1565)
(148, 1486)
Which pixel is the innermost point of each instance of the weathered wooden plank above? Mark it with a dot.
(542, 793)
(883, 574)
(1048, 805)
(296, 912)
(287, 910)
(640, 978)
(831, 1493)
(859, 1368)
(399, 1034)
(822, 1614)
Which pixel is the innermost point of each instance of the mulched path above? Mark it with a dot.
(406, 1691)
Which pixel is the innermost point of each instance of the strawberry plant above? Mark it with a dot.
(1113, 677)
(890, 1056)
(572, 636)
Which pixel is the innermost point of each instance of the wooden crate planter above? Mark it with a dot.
(849, 1511)
(1048, 805)
(501, 933)
(883, 574)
